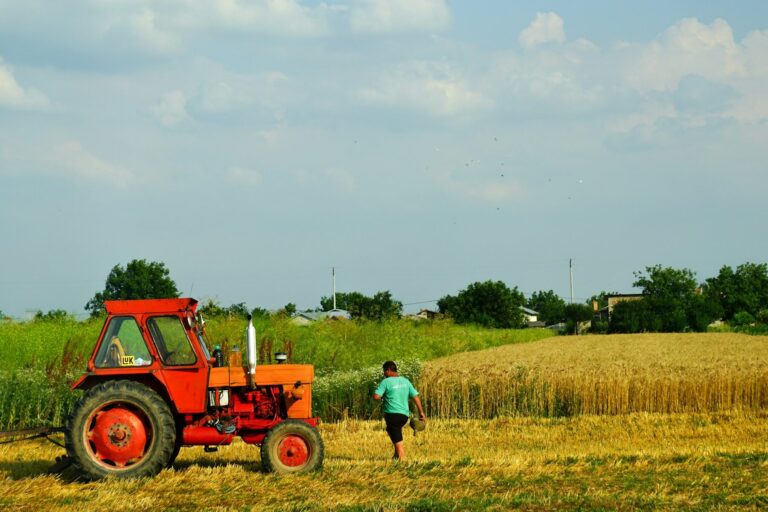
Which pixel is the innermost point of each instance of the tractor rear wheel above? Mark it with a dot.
(120, 428)
(292, 446)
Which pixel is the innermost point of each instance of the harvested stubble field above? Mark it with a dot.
(638, 461)
(616, 374)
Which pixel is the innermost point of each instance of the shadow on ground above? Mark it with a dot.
(23, 469)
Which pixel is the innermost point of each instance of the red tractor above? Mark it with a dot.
(151, 387)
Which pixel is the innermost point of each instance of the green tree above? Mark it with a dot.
(702, 311)
(488, 303)
(211, 308)
(260, 313)
(57, 315)
(629, 316)
(575, 314)
(289, 309)
(668, 292)
(742, 319)
(745, 289)
(138, 280)
(354, 302)
(237, 310)
(671, 303)
(384, 306)
(550, 306)
(379, 307)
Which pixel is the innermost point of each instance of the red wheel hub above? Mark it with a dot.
(117, 437)
(293, 451)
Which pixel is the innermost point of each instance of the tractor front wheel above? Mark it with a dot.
(292, 446)
(120, 428)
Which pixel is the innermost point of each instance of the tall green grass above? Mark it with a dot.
(343, 345)
(31, 398)
(38, 344)
(39, 359)
(348, 394)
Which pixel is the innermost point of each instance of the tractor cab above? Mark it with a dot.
(155, 341)
(174, 339)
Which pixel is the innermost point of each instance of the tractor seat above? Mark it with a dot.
(115, 353)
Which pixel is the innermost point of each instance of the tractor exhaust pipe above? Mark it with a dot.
(250, 343)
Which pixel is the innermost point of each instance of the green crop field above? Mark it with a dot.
(39, 359)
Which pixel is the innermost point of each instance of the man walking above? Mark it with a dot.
(395, 392)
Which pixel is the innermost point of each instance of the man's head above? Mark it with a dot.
(390, 368)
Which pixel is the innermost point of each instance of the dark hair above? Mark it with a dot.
(390, 365)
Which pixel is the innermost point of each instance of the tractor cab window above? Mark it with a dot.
(123, 345)
(171, 340)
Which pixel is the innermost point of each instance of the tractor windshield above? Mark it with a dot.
(171, 340)
(123, 345)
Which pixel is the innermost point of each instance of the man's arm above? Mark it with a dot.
(380, 389)
(416, 399)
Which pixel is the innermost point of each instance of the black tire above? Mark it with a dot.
(120, 428)
(291, 435)
(177, 446)
(175, 453)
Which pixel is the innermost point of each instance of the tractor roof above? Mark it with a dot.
(116, 307)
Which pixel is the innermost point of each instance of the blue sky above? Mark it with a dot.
(416, 145)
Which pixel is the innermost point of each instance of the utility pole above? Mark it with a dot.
(570, 269)
(333, 279)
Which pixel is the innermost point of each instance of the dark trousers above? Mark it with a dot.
(395, 424)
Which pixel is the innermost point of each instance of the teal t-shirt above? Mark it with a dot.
(395, 392)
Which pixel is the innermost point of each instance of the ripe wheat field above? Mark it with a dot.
(656, 421)
(629, 462)
(599, 374)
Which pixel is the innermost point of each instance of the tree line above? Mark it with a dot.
(671, 300)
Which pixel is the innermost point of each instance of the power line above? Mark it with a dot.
(420, 302)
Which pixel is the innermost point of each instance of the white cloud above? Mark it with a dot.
(688, 47)
(431, 88)
(229, 92)
(144, 27)
(545, 28)
(277, 17)
(172, 109)
(562, 80)
(244, 176)
(13, 95)
(379, 16)
(71, 158)
(66, 159)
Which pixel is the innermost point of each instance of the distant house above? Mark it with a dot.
(613, 299)
(337, 314)
(529, 315)
(304, 317)
(307, 317)
(424, 314)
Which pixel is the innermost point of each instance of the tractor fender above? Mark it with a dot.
(89, 380)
